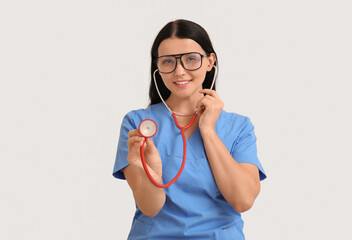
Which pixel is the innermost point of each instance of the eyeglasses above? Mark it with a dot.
(189, 61)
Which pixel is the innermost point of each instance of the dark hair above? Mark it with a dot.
(182, 29)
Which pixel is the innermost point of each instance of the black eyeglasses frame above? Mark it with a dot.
(179, 56)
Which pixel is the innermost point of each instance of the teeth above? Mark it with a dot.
(181, 83)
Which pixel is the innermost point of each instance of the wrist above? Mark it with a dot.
(137, 166)
(207, 132)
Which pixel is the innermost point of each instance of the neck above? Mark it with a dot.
(183, 106)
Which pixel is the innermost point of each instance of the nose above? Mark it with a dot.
(179, 70)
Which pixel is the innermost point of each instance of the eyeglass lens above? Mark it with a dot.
(190, 61)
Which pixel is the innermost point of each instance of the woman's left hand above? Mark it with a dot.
(209, 109)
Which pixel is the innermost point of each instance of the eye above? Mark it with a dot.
(192, 58)
(166, 60)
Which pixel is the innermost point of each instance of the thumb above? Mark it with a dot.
(150, 146)
(150, 142)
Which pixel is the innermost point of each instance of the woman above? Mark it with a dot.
(221, 176)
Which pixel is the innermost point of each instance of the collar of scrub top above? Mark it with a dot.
(155, 128)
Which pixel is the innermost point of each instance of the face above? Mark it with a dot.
(181, 82)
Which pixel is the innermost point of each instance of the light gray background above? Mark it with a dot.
(70, 70)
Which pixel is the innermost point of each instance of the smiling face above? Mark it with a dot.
(183, 83)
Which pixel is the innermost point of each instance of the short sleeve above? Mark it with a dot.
(122, 149)
(244, 149)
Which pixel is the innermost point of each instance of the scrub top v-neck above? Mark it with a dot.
(194, 206)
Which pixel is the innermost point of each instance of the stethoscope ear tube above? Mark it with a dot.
(215, 76)
(157, 89)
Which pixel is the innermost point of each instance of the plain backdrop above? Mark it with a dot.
(70, 70)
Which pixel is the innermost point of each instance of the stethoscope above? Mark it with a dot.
(148, 128)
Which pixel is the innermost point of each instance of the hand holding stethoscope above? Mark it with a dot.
(209, 109)
(151, 154)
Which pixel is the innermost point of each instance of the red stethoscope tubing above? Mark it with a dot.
(184, 155)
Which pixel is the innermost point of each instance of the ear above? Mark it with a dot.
(211, 61)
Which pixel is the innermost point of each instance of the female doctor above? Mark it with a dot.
(222, 173)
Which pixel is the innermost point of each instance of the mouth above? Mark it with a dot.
(183, 83)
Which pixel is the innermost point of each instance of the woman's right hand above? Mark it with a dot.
(151, 154)
(149, 198)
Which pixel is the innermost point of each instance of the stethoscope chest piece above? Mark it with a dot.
(148, 128)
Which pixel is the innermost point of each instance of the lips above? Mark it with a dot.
(183, 83)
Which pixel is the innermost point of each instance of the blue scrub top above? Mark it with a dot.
(194, 206)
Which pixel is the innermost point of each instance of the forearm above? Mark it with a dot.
(237, 184)
(149, 198)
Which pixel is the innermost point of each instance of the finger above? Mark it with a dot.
(206, 102)
(211, 98)
(134, 132)
(149, 142)
(200, 104)
(210, 92)
(134, 141)
(134, 149)
(215, 103)
(150, 147)
(215, 98)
